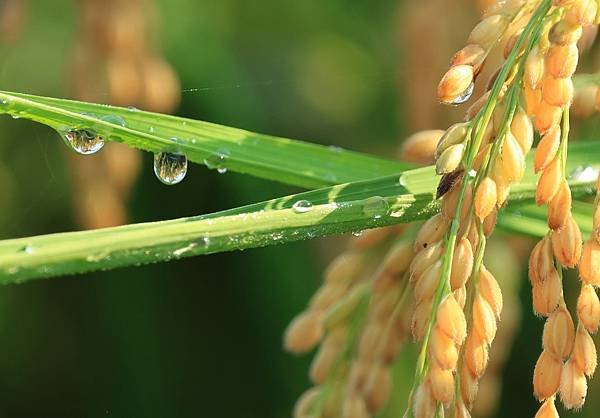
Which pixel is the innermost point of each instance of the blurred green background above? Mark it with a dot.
(201, 337)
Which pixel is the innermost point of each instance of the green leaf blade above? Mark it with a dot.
(80, 252)
(339, 209)
(284, 160)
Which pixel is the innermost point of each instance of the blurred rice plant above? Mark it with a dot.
(116, 61)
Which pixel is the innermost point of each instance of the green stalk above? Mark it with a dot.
(564, 140)
(480, 123)
(471, 291)
(511, 106)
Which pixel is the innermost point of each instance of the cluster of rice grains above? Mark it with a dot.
(438, 289)
(568, 352)
(362, 315)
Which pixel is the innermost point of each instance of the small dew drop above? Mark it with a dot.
(376, 207)
(302, 206)
(96, 257)
(28, 249)
(463, 97)
(151, 129)
(331, 177)
(357, 233)
(179, 252)
(83, 141)
(472, 173)
(217, 161)
(115, 120)
(335, 148)
(133, 109)
(170, 168)
(402, 181)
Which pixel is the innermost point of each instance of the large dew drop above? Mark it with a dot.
(466, 95)
(302, 206)
(376, 207)
(83, 141)
(170, 168)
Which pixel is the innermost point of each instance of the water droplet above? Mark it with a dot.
(402, 181)
(83, 141)
(398, 213)
(331, 177)
(151, 129)
(4, 102)
(217, 161)
(28, 249)
(170, 168)
(177, 140)
(302, 206)
(179, 252)
(94, 258)
(463, 97)
(357, 233)
(376, 207)
(204, 242)
(472, 173)
(133, 109)
(335, 148)
(114, 119)
(584, 174)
